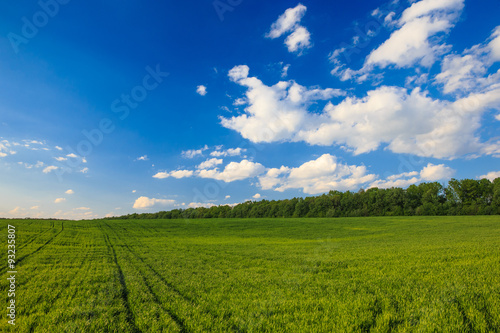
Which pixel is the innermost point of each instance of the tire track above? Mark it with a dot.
(21, 259)
(178, 321)
(169, 285)
(129, 315)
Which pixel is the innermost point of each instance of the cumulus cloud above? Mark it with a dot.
(256, 196)
(84, 170)
(407, 121)
(429, 173)
(59, 200)
(316, 176)
(274, 113)
(6, 148)
(175, 174)
(201, 90)
(298, 40)
(50, 169)
(432, 173)
(201, 204)
(466, 73)
(192, 153)
(299, 37)
(143, 158)
(494, 44)
(234, 171)
(209, 163)
(491, 175)
(417, 40)
(228, 152)
(287, 21)
(70, 192)
(411, 43)
(145, 202)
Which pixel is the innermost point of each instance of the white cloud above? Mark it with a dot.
(192, 153)
(287, 21)
(408, 121)
(234, 171)
(284, 71)
(494, 45)
(429, 173)
(70, 192)
(84, 170)
(201, 90)
(35, 208)
(274, 113)
(72, 155)
(82, 208)
(5, 148)
(50, 169)
(298, 40)
(227, 197)
(58, 148)
(256, 196)
(316, 176)
(59, 200)
(465, 73)
(176, 174)
(228, 152)
(60, 159)
(417, 40)
(491, 175)
(145, 202)
(209, 163)
(143, 158)
(299, 37)
(201, 204)
(133, 191)
(432, 173)
(411, 43)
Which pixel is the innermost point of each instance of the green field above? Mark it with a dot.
(418, 274)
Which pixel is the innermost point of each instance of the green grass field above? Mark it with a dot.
(424, 274)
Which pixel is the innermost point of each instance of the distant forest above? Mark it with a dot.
(460, 197)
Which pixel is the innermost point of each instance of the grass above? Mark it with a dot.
(381, 274)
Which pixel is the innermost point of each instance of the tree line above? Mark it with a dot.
(460, 197)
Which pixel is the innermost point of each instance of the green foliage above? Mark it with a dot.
(461, 197)
(378, 274)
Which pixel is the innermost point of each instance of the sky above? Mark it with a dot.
(110, 107)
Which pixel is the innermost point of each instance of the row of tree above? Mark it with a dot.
(460, 197)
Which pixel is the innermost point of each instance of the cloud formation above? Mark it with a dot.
(407, 121)
(299, 38)
(316, 176)
(145, 202)
(201, 90)
(429, 173)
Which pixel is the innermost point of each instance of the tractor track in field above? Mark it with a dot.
(34, 237)
(124, 294)
(21, 259)
(65, 285)
(178, 321)
(169, 285)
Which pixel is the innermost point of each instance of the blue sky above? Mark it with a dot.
(109, 108)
